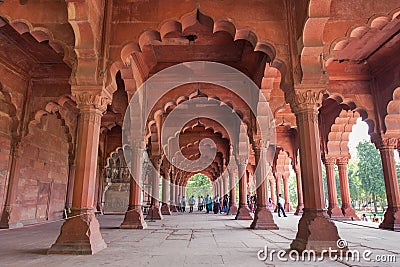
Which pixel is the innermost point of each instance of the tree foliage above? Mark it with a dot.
(198, 185)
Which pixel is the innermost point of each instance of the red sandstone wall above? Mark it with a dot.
(43, 173)
(5, 141)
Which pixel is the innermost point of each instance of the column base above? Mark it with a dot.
(9, 220)
(79, 235)
(165, 209)
(391, 219)
(243, 213)
(154, 213)
(315, 232)
(134, 219)
(299, 209)
(350, 214)
(335, 213)
(233, 210)
(288, 207)
(263, 220)
(173, 208)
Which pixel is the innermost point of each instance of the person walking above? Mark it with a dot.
(271, 205)
(183, 204)
(281, 204)
(201, 203)
(192, 201)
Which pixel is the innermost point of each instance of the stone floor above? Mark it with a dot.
(189, 240)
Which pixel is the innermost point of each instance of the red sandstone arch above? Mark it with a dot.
(392, 119)
(41, 34)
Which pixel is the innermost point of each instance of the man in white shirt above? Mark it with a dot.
(281, 204)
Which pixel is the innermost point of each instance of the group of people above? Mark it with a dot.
(373, 219)
(215, 204)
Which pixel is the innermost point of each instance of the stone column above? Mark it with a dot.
(225, 179)
(154, 211)
(333, 209)
(232, 193)
(177, 194)
(70, 185)
(272, 188)
(11, 213)
(315, 231)
(347, 209)
(243, 211)
(80, 234)
(288, 206)
(278, 185)
(263, 218)
(392, 214)
(221, 186)
(172, 196)
(300, 203)
(134, 218)
(165, 206)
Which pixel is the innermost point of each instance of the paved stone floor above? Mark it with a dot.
(189, 240)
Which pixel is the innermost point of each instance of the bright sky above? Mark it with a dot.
(360, 133)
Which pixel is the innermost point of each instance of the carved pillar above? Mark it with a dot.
(316, 231)
(232, 193)
(333, 209)
(347, 209)
(392, 214)
(11, 214)
(80, 234)
(263, 218)
(225, 180)
(70, 185)
(172, 196)
(165, 207)
(300, 203)
(243, 211)
(221, 186)
(134, 218)
(288, 206)
(154, 211)
(272, 188)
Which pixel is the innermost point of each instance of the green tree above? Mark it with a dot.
(370, 171)
(198, 185)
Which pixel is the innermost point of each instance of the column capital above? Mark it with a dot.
(302, 100)
(94, 97)
(342, 160)
(385, 143)
(329, 160)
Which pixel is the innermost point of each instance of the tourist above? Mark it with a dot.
(375, 218)
(271, 205)
(198, 203)
(192, 201)
(281, 205)
(364, 218)
(179, 202)
(225, 203)
(183, 204)
(216, 205)
(201, 203)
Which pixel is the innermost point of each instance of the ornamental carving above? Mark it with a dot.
(87, 99)
(385, 143)
(303, 100)
(342, 161)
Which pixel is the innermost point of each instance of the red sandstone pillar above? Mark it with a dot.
(333, 209)
(225, 180)
(80, 234)
(154, 211)
(263, 218)
(70, 185)
(10, 217)
(300, 202)
(272, 188)
(316, 231)
(347, 209)
(165, 207)
(392, 214)
(243, 211)
(172, 196)
(287, 207)
(134, 218)
(232, 193)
